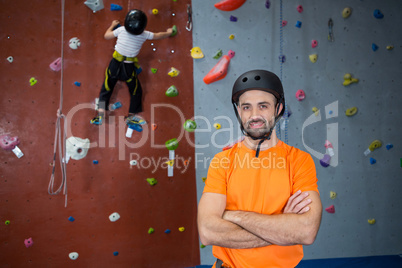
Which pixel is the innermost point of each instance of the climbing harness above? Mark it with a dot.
(59, 141)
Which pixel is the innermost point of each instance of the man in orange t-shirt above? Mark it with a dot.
(260, 202)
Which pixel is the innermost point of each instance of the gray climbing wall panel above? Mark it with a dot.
(364, 190)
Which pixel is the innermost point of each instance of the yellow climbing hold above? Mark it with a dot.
(332, 195)
(390, 47)
(374, 145)
(347, 80)
(313, 58)
(351, 111)
(170, 162)
(181, 229)
(196, 53)
(315, 110)
(217, 126)
(371, 221)
(173, 72)
(204, 179)
(155, 11)
(231, 37)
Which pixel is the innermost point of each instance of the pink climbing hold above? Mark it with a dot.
(300, 95)
(28, 242)
(8, 143)
(231, 53)
(330, 209)
(314, 43)
(284, 23)
(300, 8)
(56, 65)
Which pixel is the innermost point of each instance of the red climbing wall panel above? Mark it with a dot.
(31, 34)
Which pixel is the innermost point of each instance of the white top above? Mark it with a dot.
(129, 45)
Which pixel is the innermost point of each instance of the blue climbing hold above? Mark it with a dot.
(374, 47)
(114, 7)
(116, 253)
(95, 162)
(372, 161)
(298, 24)
(167, 231)
(78, 84)
(267, 4)
(389, 146)
(71, 219)
(233, 18)
(282, 58)
(378, 14)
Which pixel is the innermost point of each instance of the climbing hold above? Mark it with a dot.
(151, 230)
(299, 8)
(28, 242)
(186, 162)
(95, 162)
(313, 58)
(56, 65)
(300, 95)
(372, 161)
(8, 143)
(115, 253)
(389, 146)
(74, 43)
(231, 37)
(172, 91)
(233, 18)
(152, 181)
(374, 145)
(33, 81)
(374, 47)
(229, 5)
(73, 255)
(284, 23)
(378, 14)
(133, 162)
(347, 79)
(330, 209)
(351, 111)
(196, 53)
(202, 246)
(204, 179)
(172, 144)
(155, 11)
(170, 163)
(316, 111)
(181, 229)
(217, 126)
(173, 72)
(115, 106)
(371, 221)
(330, 148)
(314, 43)
(189, 125)
(95, 5)
(332, 195)
(77, 148)
(298, 24)
(71, 219)
(7, 222)
(231, 53)
(267, 4)
(10, 59)
(390, 47)
(154, 70)
(167, 231)
(219, 71)
(325, 160)
(114, 216)
(218, 54)
(114, 7)
(154, 126)
(78, 84)
(346, 12)
(174, 30)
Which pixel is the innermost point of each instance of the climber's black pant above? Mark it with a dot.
(124, 72)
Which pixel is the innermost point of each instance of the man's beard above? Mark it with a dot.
(267, 127)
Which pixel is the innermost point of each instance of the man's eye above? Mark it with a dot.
(245, 107)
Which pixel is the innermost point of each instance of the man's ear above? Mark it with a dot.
(279, 107)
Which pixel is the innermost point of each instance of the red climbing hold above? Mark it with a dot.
(229, 5)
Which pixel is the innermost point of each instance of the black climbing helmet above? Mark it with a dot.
(259, 80)
(135, 21)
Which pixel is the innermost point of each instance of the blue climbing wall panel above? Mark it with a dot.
(364, 191)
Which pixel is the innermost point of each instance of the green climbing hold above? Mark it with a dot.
(189, 125)
(172, 144)
(154, 70)
(202, 246)
(174, 32)
(172, 91)
(218, 54)
(151, 230)
(152, 181)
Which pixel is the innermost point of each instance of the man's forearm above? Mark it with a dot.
(223, 233)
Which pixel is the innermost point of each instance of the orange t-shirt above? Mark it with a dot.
(261, 185)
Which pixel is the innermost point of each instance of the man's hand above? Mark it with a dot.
(114, 24)
(169, 31)
(297, 203)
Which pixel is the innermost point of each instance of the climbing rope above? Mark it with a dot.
(59, 141)
(281, 61)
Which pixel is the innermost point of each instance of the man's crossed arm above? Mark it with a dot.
(298, 224)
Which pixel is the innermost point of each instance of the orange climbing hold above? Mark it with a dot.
(229, 5)
(219, 71)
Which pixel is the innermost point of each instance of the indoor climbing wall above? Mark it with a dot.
(341, 81)
(123, 208)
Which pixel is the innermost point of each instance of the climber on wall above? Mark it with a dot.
(124, 64)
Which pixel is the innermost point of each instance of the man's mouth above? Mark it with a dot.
(256, 124)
